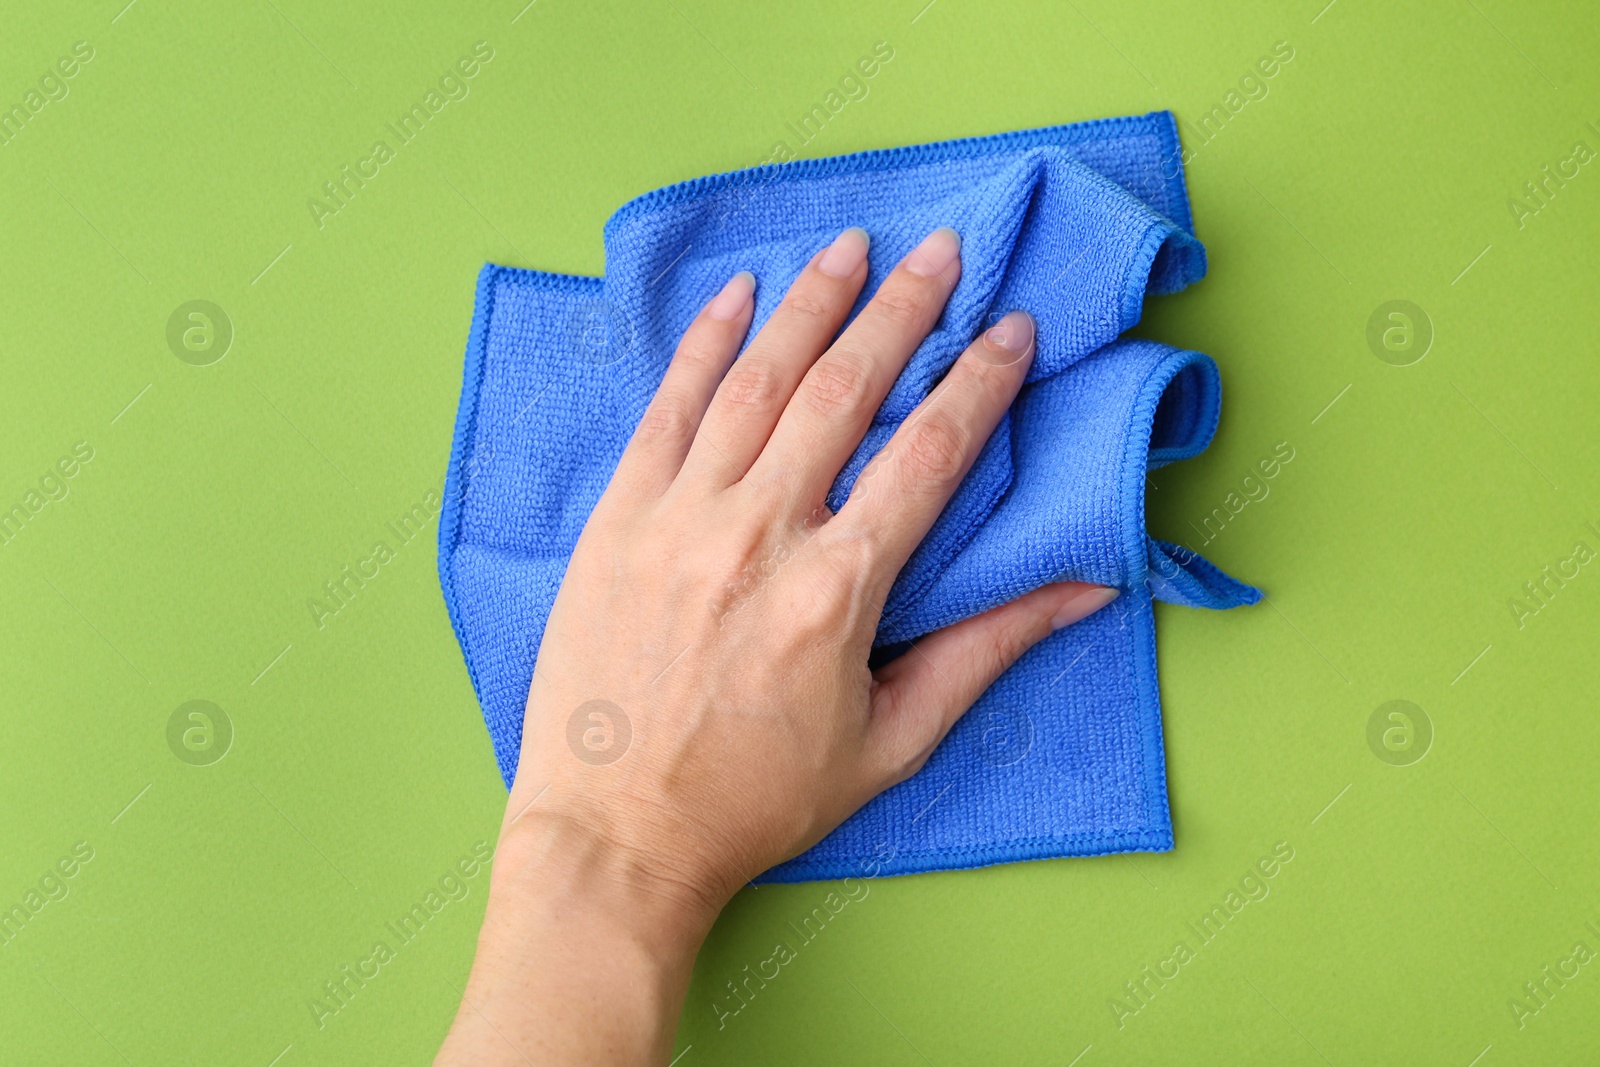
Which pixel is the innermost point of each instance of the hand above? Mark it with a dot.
(717, 619)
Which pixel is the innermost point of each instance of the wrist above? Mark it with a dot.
(576, 923)
(563, 867)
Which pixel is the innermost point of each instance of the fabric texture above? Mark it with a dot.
(1063, 755)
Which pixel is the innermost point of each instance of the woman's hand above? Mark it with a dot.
(702, 707)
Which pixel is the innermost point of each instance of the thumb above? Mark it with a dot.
(920, 695)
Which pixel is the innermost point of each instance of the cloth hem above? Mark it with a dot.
(925, 861)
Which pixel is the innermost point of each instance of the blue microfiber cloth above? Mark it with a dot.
(1063, 755)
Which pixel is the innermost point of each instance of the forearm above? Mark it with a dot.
(584, 956)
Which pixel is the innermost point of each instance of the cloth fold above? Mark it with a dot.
(1063, 755)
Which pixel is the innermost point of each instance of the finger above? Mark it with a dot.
(834, 404)
(921, 694)
(659, 444)
(753, 394)
(931, 451)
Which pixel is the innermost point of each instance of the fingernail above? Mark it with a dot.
(1083, 605)
(936, 254)
(848, 251)
(1012, 334)
(734, 298)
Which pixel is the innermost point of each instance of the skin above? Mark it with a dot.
(724, 617)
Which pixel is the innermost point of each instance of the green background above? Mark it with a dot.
(219, 498)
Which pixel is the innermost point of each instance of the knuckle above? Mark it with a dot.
(985, 380)
(751, 383)
(667, 419)
(852, 553)
(813, 615)
(996, 647)
(935, 448)
(803, 304)
(900, 306)
(836, 384)
(903, 755)
(698, 356)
